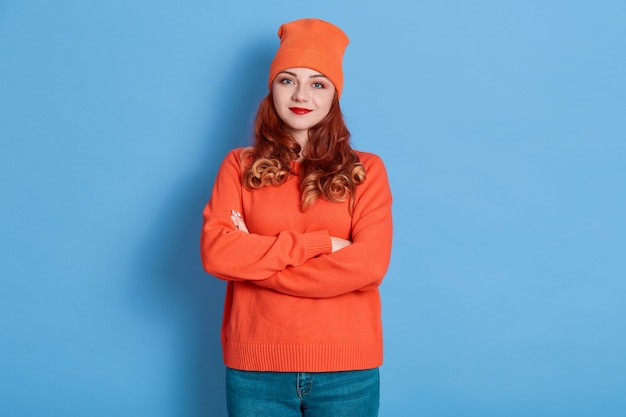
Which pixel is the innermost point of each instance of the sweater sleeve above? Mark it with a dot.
(360, 266)
(230, 254)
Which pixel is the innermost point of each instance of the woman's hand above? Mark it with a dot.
(339, 243)
(238, 222)
(336, 242)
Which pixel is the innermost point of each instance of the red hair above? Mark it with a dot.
(330, 168)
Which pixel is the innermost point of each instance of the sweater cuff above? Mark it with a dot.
(317, 243)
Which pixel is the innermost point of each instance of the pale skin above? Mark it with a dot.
(302, 98)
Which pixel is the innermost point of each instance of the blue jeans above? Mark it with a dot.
(298, 394)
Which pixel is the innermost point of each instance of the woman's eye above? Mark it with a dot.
(318, 85)
(286, 81)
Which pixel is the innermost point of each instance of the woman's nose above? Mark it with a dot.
(301, 93)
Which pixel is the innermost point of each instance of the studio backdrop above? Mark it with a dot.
(503, 128)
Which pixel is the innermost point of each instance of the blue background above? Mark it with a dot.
(502, 124)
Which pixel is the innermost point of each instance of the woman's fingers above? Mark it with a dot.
(339, 243)
(238, 222)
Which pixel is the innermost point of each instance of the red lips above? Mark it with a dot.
(299, 110)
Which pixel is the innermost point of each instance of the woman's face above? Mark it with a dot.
(302, 98)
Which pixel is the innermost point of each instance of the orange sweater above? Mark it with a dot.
(292, 305)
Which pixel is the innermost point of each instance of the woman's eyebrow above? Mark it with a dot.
(293, 74)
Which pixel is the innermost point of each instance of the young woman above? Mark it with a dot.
(299, 225)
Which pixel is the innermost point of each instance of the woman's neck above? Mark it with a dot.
(302, 138)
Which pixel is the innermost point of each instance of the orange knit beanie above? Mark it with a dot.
(311, 43)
